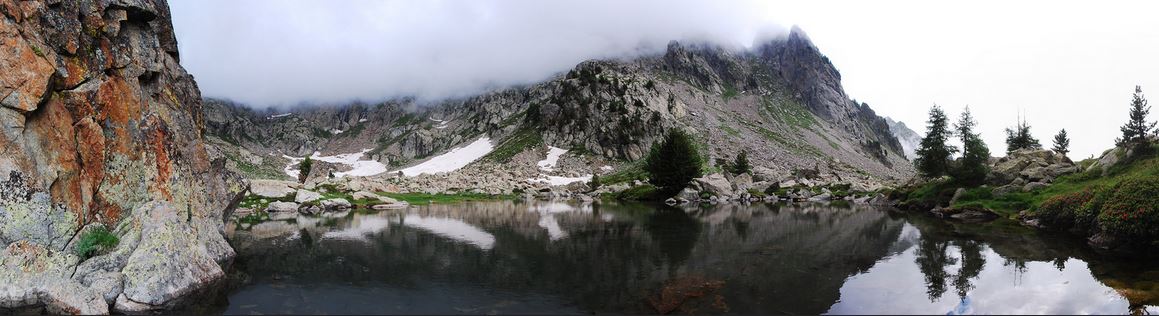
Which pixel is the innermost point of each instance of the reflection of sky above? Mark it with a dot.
(453, 229)
(895, 285)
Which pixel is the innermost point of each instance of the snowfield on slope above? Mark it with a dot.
(455, 159)
(548, 165)
(553, 154)
(359, 167)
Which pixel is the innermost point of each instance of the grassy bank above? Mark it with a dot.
(1121, 203)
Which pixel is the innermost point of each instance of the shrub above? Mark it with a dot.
(1131, 209)
(95, 241)
(304, 169)
(673, 163)
(645, 192)
(1071, 211)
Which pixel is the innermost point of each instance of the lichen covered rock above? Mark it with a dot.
(97, 122)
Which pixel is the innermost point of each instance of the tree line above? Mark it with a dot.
(935, 156)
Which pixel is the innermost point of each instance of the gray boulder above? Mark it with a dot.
(304, 196)
(1033, 186)
(272, 188)
(279, 207)
(715, 184)
(336, 204)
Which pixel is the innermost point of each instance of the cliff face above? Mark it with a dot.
(100, 126)
(781, 101)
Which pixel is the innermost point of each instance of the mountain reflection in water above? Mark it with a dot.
(554, 257)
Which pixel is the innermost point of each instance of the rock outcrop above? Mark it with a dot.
(1028, 170)
(101, 126)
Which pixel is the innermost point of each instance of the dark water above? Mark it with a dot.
(544, 257)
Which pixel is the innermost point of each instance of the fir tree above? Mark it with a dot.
(673, 163)
(933, 155)
(1061, 143)
(741, 163)
(1019, 137)
(972, 168)
(1136, 129)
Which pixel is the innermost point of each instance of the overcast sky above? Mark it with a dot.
(1066, 65)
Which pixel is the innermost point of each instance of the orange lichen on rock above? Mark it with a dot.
(158, 139)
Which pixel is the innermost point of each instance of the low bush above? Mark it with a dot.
(1131, 209)
(1071, 211)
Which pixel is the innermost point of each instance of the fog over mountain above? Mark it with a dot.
(1047, 60)
(273, 53)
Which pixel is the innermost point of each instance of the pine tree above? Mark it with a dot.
(972, 168)
(1136, 129)
(1061, 143)
(933, 155)
(741, 163)
(1019, 137)
(673, 163)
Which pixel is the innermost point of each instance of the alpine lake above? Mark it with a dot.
(535, 257)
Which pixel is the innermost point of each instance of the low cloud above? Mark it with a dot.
(279, 53)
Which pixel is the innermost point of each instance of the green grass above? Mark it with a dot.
(729, 130)
(633, 171)
(425, 198)
(95, 241)
(515, 144)
(644, 192)
(789, 112)
(729, 93)
(1146, 166)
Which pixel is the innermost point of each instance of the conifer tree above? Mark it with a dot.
(933, 155)
(1061, 143)
(741, 163)
(1136, 129)
(972, 168)
(673, 162)
(1019, 137)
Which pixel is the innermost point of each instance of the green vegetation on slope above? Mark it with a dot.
(517, 143)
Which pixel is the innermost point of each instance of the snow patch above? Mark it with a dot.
(358, 167)
(362, 120)
(458, 157)
(442, 124)
(278, 116)
(553, 155)
(336, 131)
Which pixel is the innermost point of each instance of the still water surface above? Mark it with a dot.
(551, 257)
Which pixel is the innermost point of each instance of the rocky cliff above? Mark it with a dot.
(781, 101)
(101, 128)
(908, 139)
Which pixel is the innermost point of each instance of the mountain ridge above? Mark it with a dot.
(781, 101)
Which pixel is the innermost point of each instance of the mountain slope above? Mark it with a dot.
(908, 139)
(782, 102)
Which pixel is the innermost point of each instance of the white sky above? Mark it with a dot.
(1064, 64)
